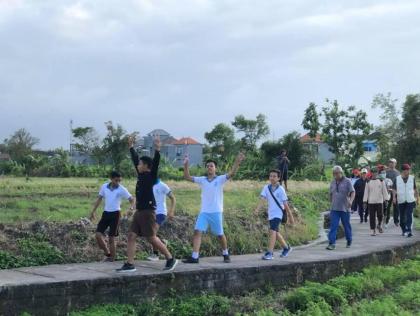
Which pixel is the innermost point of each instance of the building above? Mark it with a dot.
(318, 148)
(371, 152)
(5, 157)
(173, 150)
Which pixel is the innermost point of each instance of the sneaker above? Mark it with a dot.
(409, 235)
(191, 260)
(226, 258)
(127, 267)
(380, 230)
(170, 264)
(330, 247)
(108, 259)
(268, 256)
(286, 252)
(404, 234)
(386, 226)
(348, 245)
(153, 257)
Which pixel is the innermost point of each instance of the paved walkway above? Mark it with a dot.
(363, 243)
(58, 289)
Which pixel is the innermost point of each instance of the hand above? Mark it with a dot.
(92, 217)
(291, 220)
(157, 142)
(170, 215)
(365, 206)
(131, 140)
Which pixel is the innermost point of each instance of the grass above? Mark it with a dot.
(59, 204)
(378, 290)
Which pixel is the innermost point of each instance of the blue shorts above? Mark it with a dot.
(160, 219)
(214, 220)
(275, 224)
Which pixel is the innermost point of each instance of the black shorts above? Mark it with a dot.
(111, 220)
(275, 224)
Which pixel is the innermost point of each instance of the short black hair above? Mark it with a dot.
(275, 171)
(211, 160)
(147, 161)
(115, 174)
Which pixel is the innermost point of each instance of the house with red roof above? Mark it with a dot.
(317, 147)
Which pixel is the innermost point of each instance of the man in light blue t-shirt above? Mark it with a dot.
(211, 213)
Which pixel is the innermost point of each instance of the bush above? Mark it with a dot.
(35, 252)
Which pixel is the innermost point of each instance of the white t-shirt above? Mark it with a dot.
(161, 191)
(211, 193)
(281, 196)
(113, 196)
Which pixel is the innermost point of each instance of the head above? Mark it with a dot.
(364, 173)
(356, 173)
(115, 178)
(283, 153)
(274, 176)
(211, 166)
(145, 164)
(392, 163)
(337, 172)
(405, 170)
(381, 172)
(374, 172)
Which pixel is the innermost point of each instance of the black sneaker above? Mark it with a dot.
(191, 260)
(409, 235)
(226, 259)
(127, 267)
(170, 264)
(348, 244)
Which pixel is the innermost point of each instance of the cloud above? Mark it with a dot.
(186, 65)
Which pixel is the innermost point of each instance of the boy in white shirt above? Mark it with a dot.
(276, 197)
(112, 192)
(211, 213)
(161, 191)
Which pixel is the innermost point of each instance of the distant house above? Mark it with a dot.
(318, 148)
(371, 152)
(5, 157)
(173, 150)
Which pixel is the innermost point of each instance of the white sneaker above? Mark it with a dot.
(386, 226)
(153, 258)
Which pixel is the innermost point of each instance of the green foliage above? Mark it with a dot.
(252, 130)
(36, 251)
(20, 145)
(8, 260)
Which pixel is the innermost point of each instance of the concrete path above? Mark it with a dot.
(27, 289)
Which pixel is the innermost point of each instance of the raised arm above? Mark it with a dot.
(187, 175)
(156, 157)
(236, 165)
(133, 152)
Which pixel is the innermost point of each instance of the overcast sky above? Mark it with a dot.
(186, 65)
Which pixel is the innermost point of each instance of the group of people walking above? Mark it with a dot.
(372, 193)
(151, 211)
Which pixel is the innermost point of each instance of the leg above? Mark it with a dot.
(223, 242)
(372, 217)
(160, 246)
(380, 214)
(112, 247)
(345, 219)
(281, 240)
(360, 209)
(334, 221)
(403, 215)
(285, 184)
(409, 216)
(366, 213)
(131, 247)
(396, 213)
(388, 211)
(100, 239)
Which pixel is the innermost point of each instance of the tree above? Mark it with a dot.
(20, 145)
(388, 133)
(221, 141)
(253, 130)
(408, 146)
(115, 144)
(89, 143)
(343, 130)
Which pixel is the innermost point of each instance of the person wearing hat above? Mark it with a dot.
(406, 196)
(392, 173)
(376, 194)
(355, 175)
(359, 188)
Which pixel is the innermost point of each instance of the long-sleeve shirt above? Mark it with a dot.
(375, 192)
(359, 188)
(145, 199)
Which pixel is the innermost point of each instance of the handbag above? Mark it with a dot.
(284, 218)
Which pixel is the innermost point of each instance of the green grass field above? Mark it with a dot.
(386, 291)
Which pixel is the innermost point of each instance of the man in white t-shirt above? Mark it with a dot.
(211, 213)
(112, 192)
(161, 191)
(276, 197)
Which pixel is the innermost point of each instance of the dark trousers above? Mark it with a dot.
(406, 216)
(396, 214)
(375, 210)
(363, 214)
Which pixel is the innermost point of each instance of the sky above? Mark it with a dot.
(186, 65)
